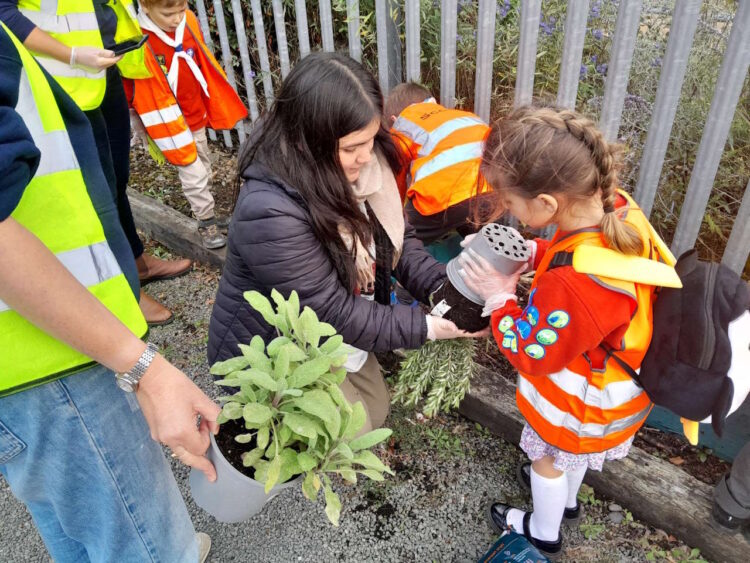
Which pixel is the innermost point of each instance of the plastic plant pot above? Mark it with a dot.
(505, 249)
(233, 497)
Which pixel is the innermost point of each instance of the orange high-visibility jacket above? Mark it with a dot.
(581, 409)
(445, 149)
(155, 103)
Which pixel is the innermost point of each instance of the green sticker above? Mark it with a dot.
(546, 336)
(505, 323)
(510, 341)
(534, 351)
(558, 319)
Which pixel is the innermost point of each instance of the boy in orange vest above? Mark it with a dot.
(187, 92)
(443, 148)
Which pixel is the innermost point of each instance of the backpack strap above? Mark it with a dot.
(629, 370)
(560, 258)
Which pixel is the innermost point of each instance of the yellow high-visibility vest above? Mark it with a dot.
(57, 209)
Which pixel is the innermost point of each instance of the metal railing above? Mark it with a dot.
(682, 30)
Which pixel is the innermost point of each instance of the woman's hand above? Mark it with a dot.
(481, 278)
(92, 59)
(439, 328)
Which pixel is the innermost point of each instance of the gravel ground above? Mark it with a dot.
(432, 510)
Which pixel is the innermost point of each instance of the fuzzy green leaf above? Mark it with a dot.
(261, 304)
(369, 460)
(221, 418)
(284, 433)
(276, 344)
(332, 344)
(232, 411)
(228, 366)
(370, 439)
(255, 413)
(259, 378)
(349, 475)
(247, 393)
(256, 358)
(261, 470)
(264, 435)
(309, 372)
(281, 364)
(356, 421)
(326, 329)
(307, 487)
(296, 354)
(344, 450)
(336, 376)
(274, 469)
(318, 403)
(306, 461)
(289, 465)
(292, 393)
(333, 505)
(301, 424)
(243, 438)
(338, 397)
(250, 458)
(229, 382)
(308, 326)
(292, 308)
(256, 343)
(372, 474)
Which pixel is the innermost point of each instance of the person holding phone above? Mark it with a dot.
(70, 45)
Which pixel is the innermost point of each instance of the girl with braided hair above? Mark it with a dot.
(548, 166)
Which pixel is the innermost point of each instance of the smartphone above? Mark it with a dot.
(127, 46)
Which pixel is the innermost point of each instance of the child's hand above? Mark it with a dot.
(531, 245)
(484, 280)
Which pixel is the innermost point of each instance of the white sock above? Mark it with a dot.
(575, 478)
(514, 518)
(549, 496)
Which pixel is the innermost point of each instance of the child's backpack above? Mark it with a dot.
(698, 362)
(513, 548)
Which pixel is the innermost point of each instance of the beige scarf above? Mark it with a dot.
(376, 185)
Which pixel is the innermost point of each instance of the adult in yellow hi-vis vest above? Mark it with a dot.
(70, 40)
(75, 446)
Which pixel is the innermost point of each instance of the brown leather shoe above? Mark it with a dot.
(155, 313)
(151, 268)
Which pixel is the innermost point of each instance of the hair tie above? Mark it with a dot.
(609, 208)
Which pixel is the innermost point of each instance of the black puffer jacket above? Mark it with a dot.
(272, 245)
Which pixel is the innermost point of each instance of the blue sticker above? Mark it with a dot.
(534, 351)
(523, 328)
(510, 341)
(546, 336)
(532, 315)
(505, 323)
(558, 319)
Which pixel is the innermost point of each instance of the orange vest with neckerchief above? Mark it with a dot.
(569, 389)
(445, 149)
(154, 98)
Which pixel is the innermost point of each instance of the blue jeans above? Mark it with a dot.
(78, 453)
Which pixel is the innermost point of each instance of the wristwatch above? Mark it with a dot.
(128, 381)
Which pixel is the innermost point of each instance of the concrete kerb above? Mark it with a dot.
(654, 490)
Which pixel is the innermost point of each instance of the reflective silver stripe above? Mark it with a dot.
(52, 23)
(563, 419)
(64, 70)
(446, 129)
(57, 153)
(411, 130)
(90, 265)
(461, 153)
(612, 396)
(174, 142)
(158, 116)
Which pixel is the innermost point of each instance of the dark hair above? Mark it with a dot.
(403, 96)
(325, 97)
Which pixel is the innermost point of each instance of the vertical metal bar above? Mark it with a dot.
(226, 59)
(485, 52)
(352, 22)
(413, 49)
(738, 245)
(728, 87)
(239, 26)
(300, 12)
(381, 26)
(206, 30)
(278, 21)
(628, 16)
(681, 34)
(448, 28)
(570, 70)
(260, 39)
(326, 25)
(530, 12)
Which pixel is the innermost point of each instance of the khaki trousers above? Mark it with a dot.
(368, 386)
(196, 179)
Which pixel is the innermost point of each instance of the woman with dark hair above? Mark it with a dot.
(319, 213)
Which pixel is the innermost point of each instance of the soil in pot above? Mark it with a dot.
(232, 450)
(465, 313)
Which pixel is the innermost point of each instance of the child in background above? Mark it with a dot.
(443, 148)
(545, 167)
(186, 93)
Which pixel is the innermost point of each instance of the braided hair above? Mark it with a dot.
(535, 151)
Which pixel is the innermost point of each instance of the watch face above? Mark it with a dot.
(124, 383)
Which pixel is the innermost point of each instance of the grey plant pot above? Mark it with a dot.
(501, 246)
(233, 497)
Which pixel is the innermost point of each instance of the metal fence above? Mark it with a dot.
(389, 49)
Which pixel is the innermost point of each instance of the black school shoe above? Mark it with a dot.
(571, 516)
(497, 518)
